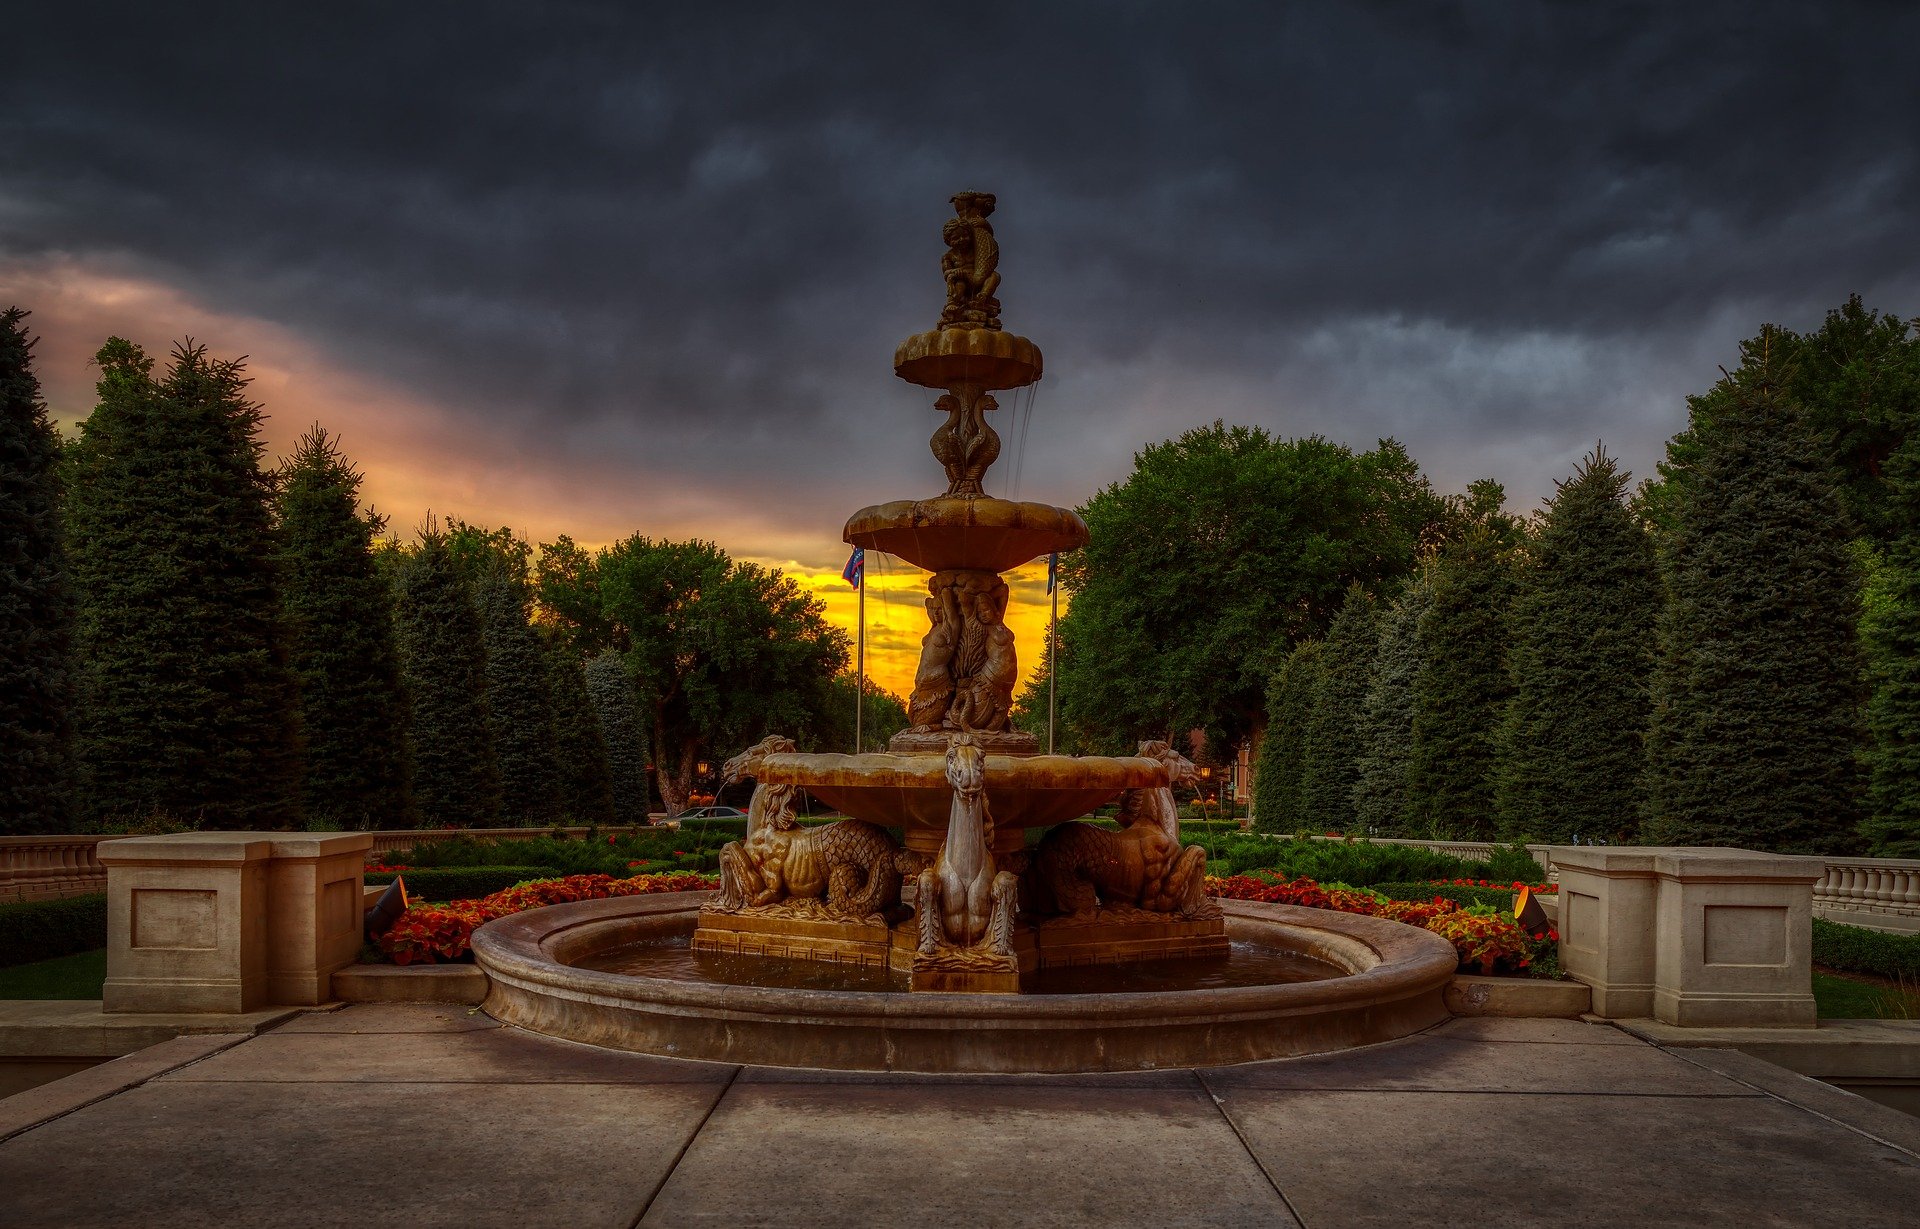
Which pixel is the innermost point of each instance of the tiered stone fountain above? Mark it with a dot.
(801, 957)
(961, 784)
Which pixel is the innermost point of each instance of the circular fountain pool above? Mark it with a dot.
(616, 973)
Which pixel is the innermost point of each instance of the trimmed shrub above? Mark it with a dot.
(465, 882)
(1359, 863)
(33, 930)
(725, 829)
(1855, 949)
(1459, 894)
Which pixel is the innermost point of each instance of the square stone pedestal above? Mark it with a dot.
(1698, 937)
(230, 921)
(314, 912)
(860, 944)
(962, 971)
(187, 922)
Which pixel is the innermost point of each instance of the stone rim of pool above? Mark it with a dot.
(1394, 987)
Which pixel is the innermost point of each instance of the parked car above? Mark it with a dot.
(712, 813)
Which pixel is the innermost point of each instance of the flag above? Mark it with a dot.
(1053, 570)
(856, 568)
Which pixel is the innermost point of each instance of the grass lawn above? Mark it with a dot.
(65, 977)
(1846, 998)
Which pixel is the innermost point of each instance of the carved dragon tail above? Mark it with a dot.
(1006, 898)
(928, 905)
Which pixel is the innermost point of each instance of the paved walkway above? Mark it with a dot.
(417, 1116)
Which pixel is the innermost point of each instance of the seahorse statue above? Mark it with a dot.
(963, 898)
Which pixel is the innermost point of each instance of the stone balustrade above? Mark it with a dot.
(1883, 893)
(50, 867)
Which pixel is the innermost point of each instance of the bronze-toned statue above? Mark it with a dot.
(1084, 869)
(966, 444)
(971, 265)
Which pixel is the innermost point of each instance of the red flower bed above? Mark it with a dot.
(426, 934)
(1490, 943)
(1515, 886)
(381, 868)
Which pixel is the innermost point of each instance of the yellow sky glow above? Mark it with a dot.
(417, 457)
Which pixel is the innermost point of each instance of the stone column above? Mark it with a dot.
(1698, 937)
(230, 921)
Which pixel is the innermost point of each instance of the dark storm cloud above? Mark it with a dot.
(691, 235)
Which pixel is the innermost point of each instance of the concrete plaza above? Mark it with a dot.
(429, 1115)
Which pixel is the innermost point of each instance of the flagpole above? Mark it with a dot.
(860, 687)
(1053, 649)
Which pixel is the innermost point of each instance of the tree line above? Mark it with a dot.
(191, 637)
(1727, 655)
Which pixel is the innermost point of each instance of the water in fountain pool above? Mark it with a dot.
(1246, 964)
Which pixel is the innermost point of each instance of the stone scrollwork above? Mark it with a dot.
(844, 870)
(966, 443)
(1085, 870)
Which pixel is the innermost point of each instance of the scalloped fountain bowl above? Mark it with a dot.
(1366, 980)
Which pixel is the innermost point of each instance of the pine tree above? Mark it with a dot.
(340, 618)
(617, 703)
(1571, 753)
(1757, 694)
(1381, 801)
(1461, 687)
(188, 708)
(1890, 634)
(443, 662)
(36, 606)
(519, 709)
(1282, 758)
(1333, 747)
(584, 783)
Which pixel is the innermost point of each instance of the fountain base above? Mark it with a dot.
(1391, 984)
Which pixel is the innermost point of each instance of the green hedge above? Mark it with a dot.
(1855, 949)
(1499, 898)
(33, 930)
(465, 882)
(724, 829)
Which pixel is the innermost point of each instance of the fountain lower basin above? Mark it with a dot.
(1390, 984)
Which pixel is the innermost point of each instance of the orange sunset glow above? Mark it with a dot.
(418, 457)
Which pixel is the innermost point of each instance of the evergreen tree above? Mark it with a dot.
(443, 662)
(188, 708)
(1381, 801)
(584, 783)
(1757, 694)
(1333, 746)
(1280, 766)
(498, 567)
(1571, 754)
(618, 703)
(340, 619)
(36, 607)
(1460, 688)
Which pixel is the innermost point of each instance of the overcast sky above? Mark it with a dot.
(606, 268)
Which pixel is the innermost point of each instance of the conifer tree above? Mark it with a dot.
(340, 618)
(1282, 758)
(36, 606)
(1890, 634)
(618, 704)
(443, 662)
(1571, 753)
(188, 708)
(584, 784)
(519, 709)
(1381, 801)
(1460, 688)
(1756, 721)
(1333, 747)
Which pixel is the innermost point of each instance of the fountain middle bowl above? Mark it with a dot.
(911, 791)
(1392, 986)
